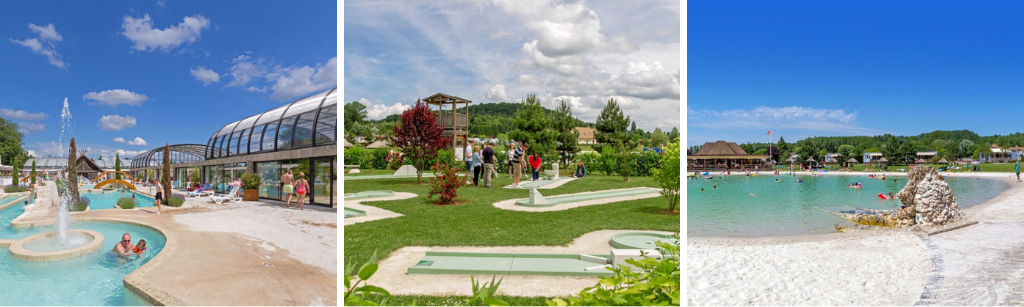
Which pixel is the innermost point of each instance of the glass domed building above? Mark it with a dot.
(300, 136)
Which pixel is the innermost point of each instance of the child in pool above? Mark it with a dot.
(141, 247)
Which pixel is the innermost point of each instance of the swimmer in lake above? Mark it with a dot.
(714, 187)
(890, 196)
(752, 194)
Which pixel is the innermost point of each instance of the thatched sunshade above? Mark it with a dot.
(377, 144)
(348, 145)
(943, 161)
(883, 159)
(811, 159)
(920, 161)
(852, 160)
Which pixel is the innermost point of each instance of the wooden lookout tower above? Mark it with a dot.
(456, 126)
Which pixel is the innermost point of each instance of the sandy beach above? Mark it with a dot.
(974, 265)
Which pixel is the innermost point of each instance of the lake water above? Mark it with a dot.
(790, 208)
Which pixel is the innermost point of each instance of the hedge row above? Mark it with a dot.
(604, 163)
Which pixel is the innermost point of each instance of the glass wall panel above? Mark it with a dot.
(232, 143)
(243, 143)
(269, 137)
(270, 179)
(297, 166)
(224, 145)
(326, 127)
(322, 181)
(304, 130)
(256, 138)
(284, 133)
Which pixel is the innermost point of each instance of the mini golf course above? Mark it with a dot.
(512, 264)
(572, 198)
(364, 177)
(368, 194)
(541, 183)
(349, 212)
(639, 240)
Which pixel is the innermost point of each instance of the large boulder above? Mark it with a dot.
(927, 200)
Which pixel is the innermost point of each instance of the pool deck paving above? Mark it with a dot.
(576, 200)
(247, 253)
(392, 271)
(371, 213)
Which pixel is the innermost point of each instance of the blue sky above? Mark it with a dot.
(500, 50)
(138, 74)
(824, 68)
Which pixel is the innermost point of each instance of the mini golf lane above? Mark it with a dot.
(572, 198)
(639, 240)
(369, 194)
(349, 212)
(511, 264)
(543, 183)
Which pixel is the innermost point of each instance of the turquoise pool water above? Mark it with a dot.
(789, 208)
(108, 200)
(92, 279)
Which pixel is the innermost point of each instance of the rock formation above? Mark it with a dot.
(927, 200)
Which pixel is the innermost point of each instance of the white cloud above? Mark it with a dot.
(563, 29)
(140, 31)
(32, 153)
(138, 142)
(47, 34)
(295, 81)
(116, 122)
(23, 115)
(245, 70)
(563, 65)
(161, 3)
(380, 111)
(119, 139)
(499, 34)
(646, 81)
(793, 117)
(115, 97)
(497, 93)
(31, 127)
(528, 79)
(257, 89)
(205, 75)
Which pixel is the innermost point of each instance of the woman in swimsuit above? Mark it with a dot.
(301, 187)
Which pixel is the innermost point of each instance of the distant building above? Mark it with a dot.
(926, 155)
(724, 155)
(831, 158)
(869, 156)
(586, 135)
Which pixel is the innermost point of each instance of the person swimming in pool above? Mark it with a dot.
(891, 197)
(800, 180)
(124, 247)
(139, 248)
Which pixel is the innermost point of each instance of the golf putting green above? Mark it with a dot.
(511, 264)
(562, 199)
(369, 194)
(349, 212)
(640, 240)
(362, 177)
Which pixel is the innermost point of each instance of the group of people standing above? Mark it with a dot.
(480, 161)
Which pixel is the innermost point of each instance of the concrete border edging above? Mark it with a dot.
(18, 250)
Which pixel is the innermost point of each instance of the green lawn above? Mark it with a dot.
(475, 222)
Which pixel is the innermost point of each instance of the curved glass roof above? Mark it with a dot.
(180, 153)
(307, 122)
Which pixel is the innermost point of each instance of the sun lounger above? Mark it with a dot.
(231, 196)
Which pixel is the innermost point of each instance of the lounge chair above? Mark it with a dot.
(203, 191)
(231, 196)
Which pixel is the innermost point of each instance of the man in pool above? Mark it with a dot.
(123, 248)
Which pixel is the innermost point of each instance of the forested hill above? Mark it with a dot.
(498, 109)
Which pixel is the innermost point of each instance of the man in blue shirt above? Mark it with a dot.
(1017, 167)
(488, 157)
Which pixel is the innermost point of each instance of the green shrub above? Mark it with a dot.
(667, 176)
(81, 205)
(251, 181)
(591, 160)
(446, 157)
(375, 158)
(15, 189)
(644, 163)
(609, 160)
(176, 200)
(655, 283)
(354, 156)
(355, 294)
(127, 203)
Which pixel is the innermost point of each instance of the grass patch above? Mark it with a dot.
(476, 222)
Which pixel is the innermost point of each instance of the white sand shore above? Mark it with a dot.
(974, 265)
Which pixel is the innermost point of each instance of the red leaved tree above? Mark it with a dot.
(418, 137)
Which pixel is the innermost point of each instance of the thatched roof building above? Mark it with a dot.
(722, 154)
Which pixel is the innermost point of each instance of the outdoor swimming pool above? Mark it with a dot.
(91, 279)
(109, 199)
(789, 208)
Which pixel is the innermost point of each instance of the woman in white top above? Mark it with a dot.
(159, 195)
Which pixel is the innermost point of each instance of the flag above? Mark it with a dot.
(769, 132)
